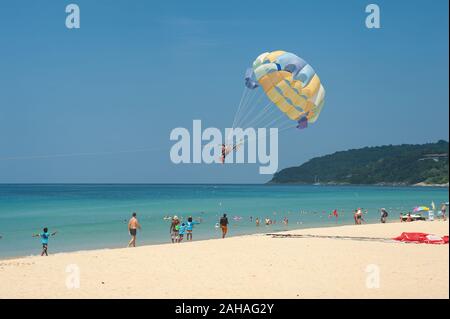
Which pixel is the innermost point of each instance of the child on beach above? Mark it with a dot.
(45, 235)
(189, 228)
(181, 232)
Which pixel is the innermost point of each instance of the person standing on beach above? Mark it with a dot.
(224, 225)
(359, 216)
(384, 215)
(444, 211)
(174, 228)
(181, 232)
(45, 235)
(133, 226)
(189, 228)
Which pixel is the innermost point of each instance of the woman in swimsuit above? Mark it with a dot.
(174, 227)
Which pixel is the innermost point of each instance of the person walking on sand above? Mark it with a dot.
(133, 226)
(174, 228)
(224, 225)
(45, 235)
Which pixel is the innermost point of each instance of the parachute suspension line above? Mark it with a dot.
(262, 118)
(285, 121)
(286, 125)
(243, 96)
(246, 103)
(279, 131)
(265, 123)
(282, 125)
(253, 105)
(265, 116)
(246, 109)
(261, 114)
(246, 140)
(246, 95)
(260, 111)
(244, 106)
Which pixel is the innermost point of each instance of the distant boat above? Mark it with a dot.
(316, 181)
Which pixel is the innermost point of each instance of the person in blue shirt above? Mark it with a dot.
(45, 235)
(181, 232)
(189, 227)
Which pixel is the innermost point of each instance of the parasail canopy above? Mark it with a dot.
(281, 91)
(290, 83)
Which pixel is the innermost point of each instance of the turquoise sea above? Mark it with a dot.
(89, 216)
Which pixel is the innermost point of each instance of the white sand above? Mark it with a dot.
(255, 266)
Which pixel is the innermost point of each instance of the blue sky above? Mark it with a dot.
(137, 69)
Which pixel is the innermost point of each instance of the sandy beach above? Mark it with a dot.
(254, 266)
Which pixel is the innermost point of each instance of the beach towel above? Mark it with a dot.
(422, 238)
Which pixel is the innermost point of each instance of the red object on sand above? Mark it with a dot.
(422, 238)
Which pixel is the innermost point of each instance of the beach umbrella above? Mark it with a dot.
(420, 209)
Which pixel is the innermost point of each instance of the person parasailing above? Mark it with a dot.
(227, 149)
